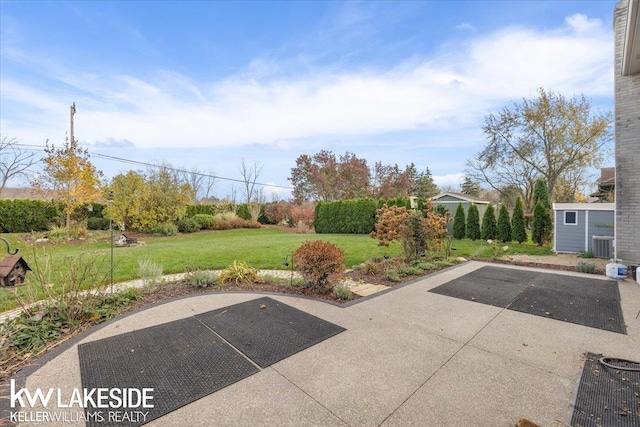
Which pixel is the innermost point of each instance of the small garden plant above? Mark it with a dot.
(342, 292)
(203, 279)
(321, 265)
(150, 272)
(586, 267)
(239, 273)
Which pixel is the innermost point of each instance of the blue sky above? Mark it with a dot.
(206, 83)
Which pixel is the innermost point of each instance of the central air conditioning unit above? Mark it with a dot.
(602, 246)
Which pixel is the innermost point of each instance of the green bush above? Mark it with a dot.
(243, 211)
(96, 210)
(193, 210)
(346, 216)
(459, 226)
(206, 221)
(95, 223)
(165, 229)
(504, 225)
(489, 226)
(473, 223)
(188, 225)
(541, 193)
(518, 227)
(24, 216)
(541, 224)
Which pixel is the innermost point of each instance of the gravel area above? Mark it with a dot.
(569, 260)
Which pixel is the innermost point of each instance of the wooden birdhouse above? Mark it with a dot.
(13, 270)
(124, 240)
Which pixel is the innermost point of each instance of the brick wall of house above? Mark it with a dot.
(627, 143)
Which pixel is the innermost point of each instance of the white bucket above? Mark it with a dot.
(615, 270)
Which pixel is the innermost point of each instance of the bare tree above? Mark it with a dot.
(14, 161)
(250, 175)
(254, 196)
(208, 183)
(194, 178)
(504, 176)
(233, 195)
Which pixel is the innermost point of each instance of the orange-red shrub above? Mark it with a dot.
(320, 263)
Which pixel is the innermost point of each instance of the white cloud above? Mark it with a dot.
(449, 180)
(581, 23)
(451, 91)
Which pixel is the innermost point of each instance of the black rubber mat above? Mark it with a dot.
(595, 288)
(565, 298)
(489, 285)
(584, 301)
(267, 331)
(606, 396)
(181, 361)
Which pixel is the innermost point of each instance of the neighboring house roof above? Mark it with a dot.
(462, 197)
(584, 206)
(631, 48)
(607, 176)
(606, 183)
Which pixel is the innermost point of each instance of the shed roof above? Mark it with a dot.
(463, 197)
(584, 206)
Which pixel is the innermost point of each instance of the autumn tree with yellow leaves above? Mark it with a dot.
(144, 201)
(72, 177)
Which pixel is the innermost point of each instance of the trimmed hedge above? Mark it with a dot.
(24, 216)
(346, 216)
(354, 216)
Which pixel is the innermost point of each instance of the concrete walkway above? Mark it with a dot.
(407, 358)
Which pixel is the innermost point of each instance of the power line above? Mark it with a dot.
(136, 162)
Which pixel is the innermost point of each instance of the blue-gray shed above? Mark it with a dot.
(576, 224)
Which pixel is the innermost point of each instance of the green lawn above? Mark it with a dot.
(481, 249)
(263, 248)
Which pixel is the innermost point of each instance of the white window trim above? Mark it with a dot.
(570, 223)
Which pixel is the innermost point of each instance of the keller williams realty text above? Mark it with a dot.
(74, 417)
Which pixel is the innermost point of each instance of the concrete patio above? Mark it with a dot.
(408, 357)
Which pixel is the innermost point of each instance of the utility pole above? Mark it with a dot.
(71, 114)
